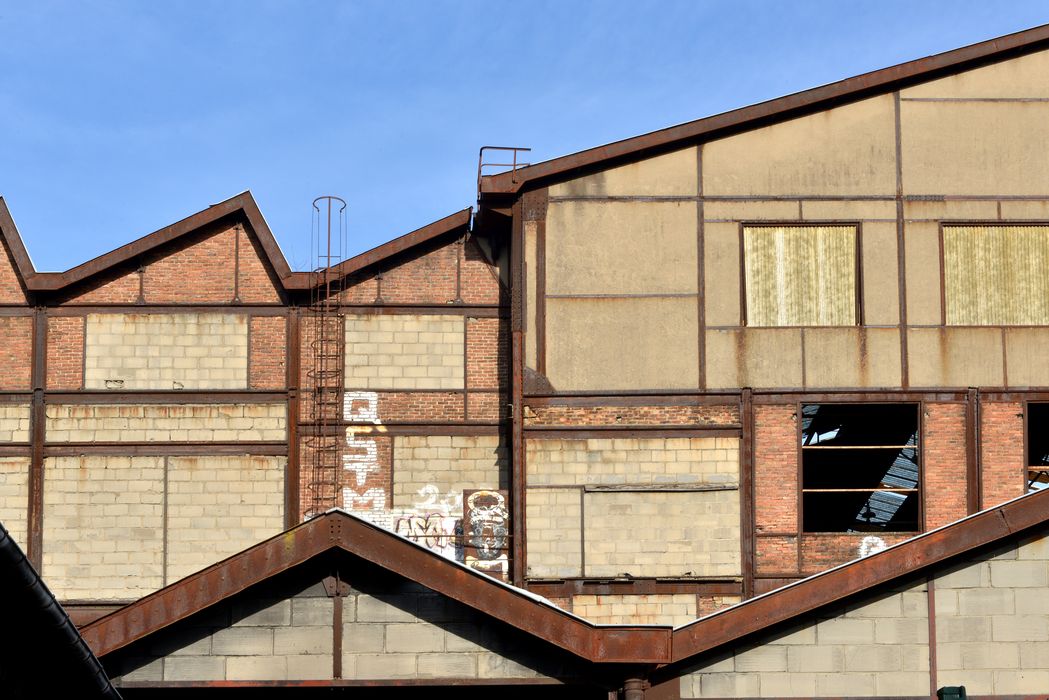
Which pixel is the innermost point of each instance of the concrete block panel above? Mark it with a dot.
(852, 357)
(850, 149)
(165, 422)
(620, 461)
(955, 357)
(958, 209)
(166, 351)
(621, 248)
(754, 357)
(639, 343)
(749, 210)
(695, 532)
(1026, 356)
(447, 465)
(405, 351)
(721, 274)
(14, 497)
(671, 174)
(655, 609)
(554, 524)
(921, 242)
(103, 526)
(1021, 209)
(218, 506)
(531, 266)
(974, 147)
(1019, 77)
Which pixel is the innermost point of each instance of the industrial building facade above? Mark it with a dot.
(686, 375)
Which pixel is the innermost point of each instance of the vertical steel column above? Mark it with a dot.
(37, 418)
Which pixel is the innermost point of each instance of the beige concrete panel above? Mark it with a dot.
(852, 357)
(218, 506)
(752, 210)
(921, 243)
(654, 609)
(618, 461)
(405, 351)
(671, 174)
(974, 147)
(754, 357)
(621, 247)
(1019, 209)
(1027, 356)
(1023, 76)
(846, 150)
(14, 497)
(103, 526)
(644, 343)
(166, 351)
(955, 357)
(958, 209)
(531, 266)
(848, 210)
(446, 465)
(166, 422)
(662, 534)
(881, 284)
(721, 273)
(554, 527)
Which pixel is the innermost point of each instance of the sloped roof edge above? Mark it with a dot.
(864, 85)
(339, 530)
(655, 645)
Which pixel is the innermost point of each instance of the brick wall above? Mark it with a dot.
(218, 506)
(162, 422)
(207, 260)
(776, 555)
(16, 352)
(404, 351)
(118, 287)
(878, 648)
(14, 497)
(631, 415)
(1002, 451)
(166, 351)
(267, 352)
(655, 609)
(776, 469)
(10, 288)
(944, 463)
(416, 407)
(820, 551)
(422, 278)
(480, 280)
(254, 282)
(65, 352)
(487, 353)
(487, 406)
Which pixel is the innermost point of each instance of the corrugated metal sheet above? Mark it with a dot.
(800, 275)
(996, 275)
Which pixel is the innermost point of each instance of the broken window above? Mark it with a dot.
(860, 468)
(1037, 446)
(800, 275)
(995, 275)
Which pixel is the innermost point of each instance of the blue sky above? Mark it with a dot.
(119, 118)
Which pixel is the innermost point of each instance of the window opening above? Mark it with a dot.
(1037, 446)
(860, 468)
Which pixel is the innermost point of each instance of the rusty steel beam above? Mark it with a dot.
(640, 586)
(292, 378)
(907, 558)
(37, 423)
(347, 683)
(763, 113)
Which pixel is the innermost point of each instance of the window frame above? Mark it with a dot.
(943, 224)
(919, 408)
(857, 225)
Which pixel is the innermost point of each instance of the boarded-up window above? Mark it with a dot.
(996, 275)
(800, 275)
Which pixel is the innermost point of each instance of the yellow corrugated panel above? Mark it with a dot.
(800, 275)
(996, 275)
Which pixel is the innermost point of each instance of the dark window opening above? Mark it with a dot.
(1037, 446)
(860, 468)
